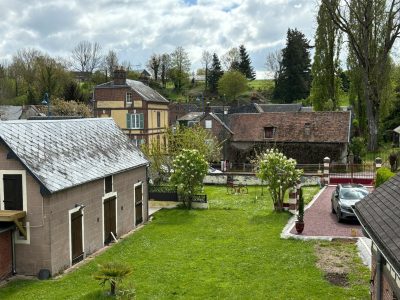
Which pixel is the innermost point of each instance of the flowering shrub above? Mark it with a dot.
(279, 173)
(189, 167)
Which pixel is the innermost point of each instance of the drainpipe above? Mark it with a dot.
(378, 275)
(14, 269)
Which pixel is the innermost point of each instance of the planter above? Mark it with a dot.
(299, 226)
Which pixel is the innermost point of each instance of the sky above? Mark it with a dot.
(135, 29)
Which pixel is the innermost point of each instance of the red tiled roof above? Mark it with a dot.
(324, 127)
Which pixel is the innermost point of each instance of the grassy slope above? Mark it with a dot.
(232, 250)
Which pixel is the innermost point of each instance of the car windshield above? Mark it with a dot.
(353, 194)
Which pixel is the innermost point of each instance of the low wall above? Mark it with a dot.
(251, 179)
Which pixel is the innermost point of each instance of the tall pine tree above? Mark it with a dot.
(325, 69)
(245, 64)
(215, 73)
(295, 78)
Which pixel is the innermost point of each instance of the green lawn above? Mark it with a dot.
(231, 251)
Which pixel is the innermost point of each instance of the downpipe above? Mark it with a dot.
(378, 275)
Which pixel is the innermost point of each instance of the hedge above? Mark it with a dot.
(382, 175)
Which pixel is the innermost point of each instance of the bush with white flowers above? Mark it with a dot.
(189, 167)
(279, 173)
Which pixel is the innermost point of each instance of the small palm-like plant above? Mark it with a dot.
(113, 273)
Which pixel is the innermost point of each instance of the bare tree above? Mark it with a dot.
(231, 60)
(206, 59)
(372, 26)
(110, 63)
(274, 63)
(86, 56)
(154, 64)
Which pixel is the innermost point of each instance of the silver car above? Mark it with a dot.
(344, 197)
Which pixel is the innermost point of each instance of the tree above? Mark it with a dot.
(231, 59)
(206, 59)
(295, 79)
(215, 74)
(154, 65)
(180, 67)
(110, 63)
(274, 64)
(245, 64)
(279, 173)
(325, 69)
(165, 64)
(182, 137)
(372, 27)
(86, 56)
(232, 84)
(190, 167)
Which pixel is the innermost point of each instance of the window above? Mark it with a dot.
(307, 128)
(138, 142)
(208, 124)
(128, 99)
(108, 184)
(135, 121)
(269, 132)
(158, 119)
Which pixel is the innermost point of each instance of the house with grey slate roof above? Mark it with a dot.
(140, 111)
(67, 188)
(379, 214)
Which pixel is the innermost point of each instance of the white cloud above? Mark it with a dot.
(138, 28)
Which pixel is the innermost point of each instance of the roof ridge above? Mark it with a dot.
(53, 120)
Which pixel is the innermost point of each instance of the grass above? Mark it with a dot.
(230, 251)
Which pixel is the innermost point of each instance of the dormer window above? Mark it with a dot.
(128, 99)
(307, 128)
(269, 132)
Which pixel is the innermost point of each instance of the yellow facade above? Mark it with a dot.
(119, 117)
(110, 104)
(157, 106)
(137, 103)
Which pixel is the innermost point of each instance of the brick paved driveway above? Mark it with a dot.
(319, 220)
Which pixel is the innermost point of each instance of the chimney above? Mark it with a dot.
(119, 76)
(207, 109)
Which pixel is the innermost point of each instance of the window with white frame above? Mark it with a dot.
(208, 124)
(128, 99)
(135, 121)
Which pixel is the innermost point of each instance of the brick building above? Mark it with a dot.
(67, 188)
(379, 214)
(140, 111)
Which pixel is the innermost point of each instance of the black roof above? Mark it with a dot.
(379, 213)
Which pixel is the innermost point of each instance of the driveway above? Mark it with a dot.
(320, 221)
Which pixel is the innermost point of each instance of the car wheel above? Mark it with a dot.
(339, 215)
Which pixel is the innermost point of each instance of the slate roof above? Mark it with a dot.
(295, 107)
(146, 92)
(217, 117)
(9, 112)
(324, 127)
(61, 154)
(379, 213)
(192, 116)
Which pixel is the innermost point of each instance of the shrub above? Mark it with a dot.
(190, 167)
(112, 273)
(382, 175)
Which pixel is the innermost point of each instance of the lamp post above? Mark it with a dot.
(46, 101)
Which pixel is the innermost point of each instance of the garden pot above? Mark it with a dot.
(299, 226)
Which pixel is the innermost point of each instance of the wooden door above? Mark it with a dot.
(110, 220)
(13, 199)
(138, 204)
(76, 236)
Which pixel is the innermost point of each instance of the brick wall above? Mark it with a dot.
(5, 254)
(387, 283)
